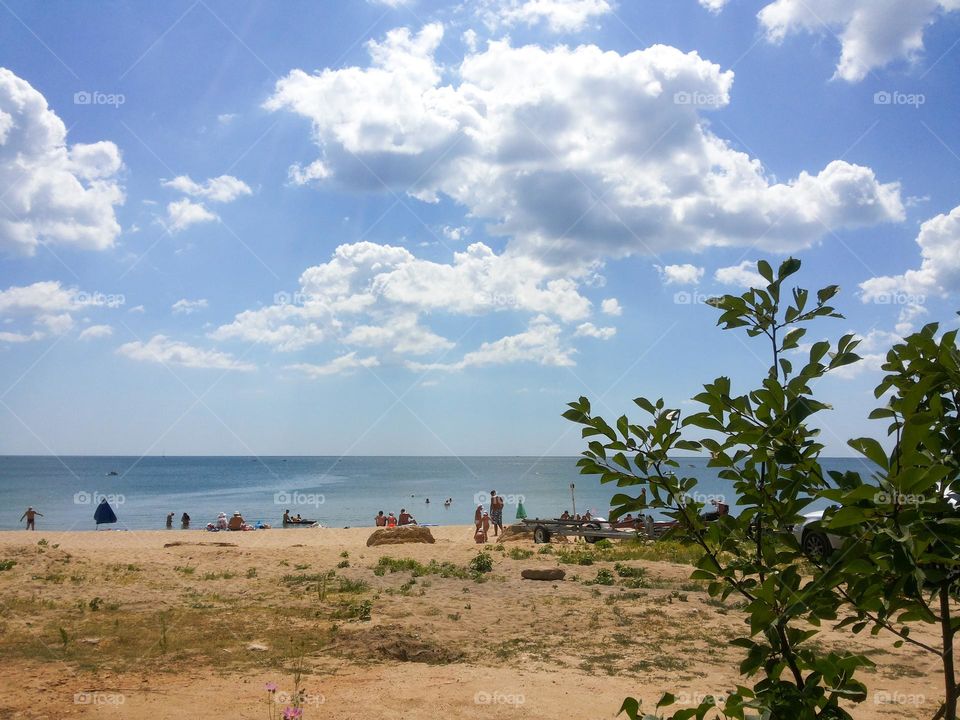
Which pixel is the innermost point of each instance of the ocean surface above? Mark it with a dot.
(338, 492)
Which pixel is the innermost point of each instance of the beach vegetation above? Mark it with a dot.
(520, 553)
(343, 564)
(761, 441)
(480, 563)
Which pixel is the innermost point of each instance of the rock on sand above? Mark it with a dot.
(400, 535)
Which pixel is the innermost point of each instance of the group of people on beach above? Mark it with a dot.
(483, 519)
(184, 521)
(391, 521)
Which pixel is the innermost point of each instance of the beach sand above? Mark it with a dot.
(115, 625)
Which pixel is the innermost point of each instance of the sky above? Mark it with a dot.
(421, 228)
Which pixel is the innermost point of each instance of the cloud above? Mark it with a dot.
(337, 366)
(54, 193)
(588, 329)
(939, 271)
(222, 189)
(714, 6)
(46, 309)
(390, 3)
(539, 344)
(685, 274)
(163, 350)
(374, 295)
(559, 16)
(611, 306)
(455, 233)
(743, 275)
(183, 213)
(872, 34)
(226, 118)
(188, 307)
(578, 155)
(96, 331)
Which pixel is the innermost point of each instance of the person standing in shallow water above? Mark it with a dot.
(30, 514)
(496, 511)
(169, 520)
(185, 521)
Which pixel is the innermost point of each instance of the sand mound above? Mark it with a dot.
(549, 574)
(400, 535)
(395, 643)
(512, 533)
(207, 544)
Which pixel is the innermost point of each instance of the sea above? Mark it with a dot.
(336, 492)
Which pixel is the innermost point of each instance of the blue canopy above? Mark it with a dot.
(104, 513)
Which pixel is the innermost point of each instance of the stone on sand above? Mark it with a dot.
(400, 535)
(549, 574)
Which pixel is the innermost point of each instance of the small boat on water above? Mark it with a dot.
(301, 523)
(112, 473)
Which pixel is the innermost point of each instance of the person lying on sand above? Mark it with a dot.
(30, 514)
(380, 520)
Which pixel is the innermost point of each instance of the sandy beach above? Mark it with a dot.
(125, 625)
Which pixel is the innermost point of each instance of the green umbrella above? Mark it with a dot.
(521, 513)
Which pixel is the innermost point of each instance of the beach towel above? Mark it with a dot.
(104, 514)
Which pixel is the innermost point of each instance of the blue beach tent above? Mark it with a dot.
(104, 514)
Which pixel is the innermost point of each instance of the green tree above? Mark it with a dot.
(762, 443)
(903, 562)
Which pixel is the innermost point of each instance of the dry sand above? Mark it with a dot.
(115, 625)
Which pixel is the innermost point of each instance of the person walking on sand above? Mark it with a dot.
(30, 514)
(496, 511)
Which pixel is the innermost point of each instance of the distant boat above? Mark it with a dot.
(300, 523)
(112, 473)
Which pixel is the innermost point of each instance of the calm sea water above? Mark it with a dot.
(338, 492)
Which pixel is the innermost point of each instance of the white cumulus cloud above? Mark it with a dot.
(743, 275)
(872, 33)
(188, 307)
(52, 192)
(166, 351)
(337, 366)
(96, 331)
(939, 271)
(559, 16)
(611, 306)
(685, 274)
(46, 308)
(588, 329)
(540, 343)
(576, 154)
(222, 189)
(183, 213)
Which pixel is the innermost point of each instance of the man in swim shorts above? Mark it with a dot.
(30, 514)
(496, 511)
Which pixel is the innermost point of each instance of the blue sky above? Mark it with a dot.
(421, 228)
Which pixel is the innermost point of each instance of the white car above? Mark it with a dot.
(818, 543)
(815, 542)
